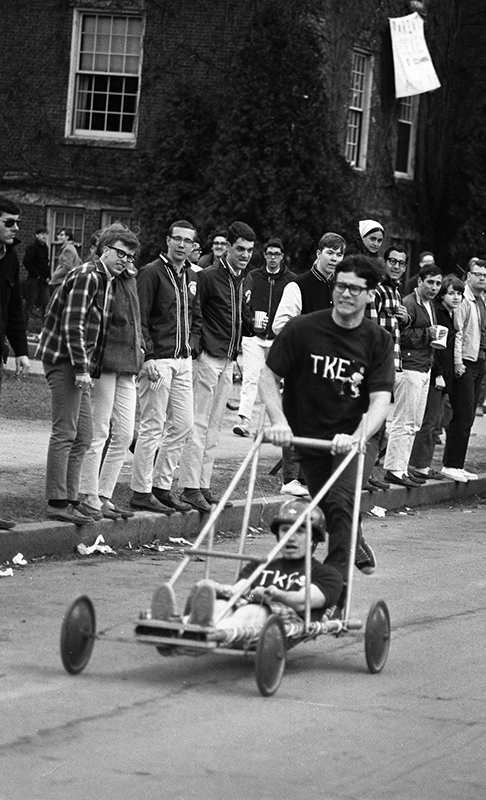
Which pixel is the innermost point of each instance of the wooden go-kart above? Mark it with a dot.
(268, 644)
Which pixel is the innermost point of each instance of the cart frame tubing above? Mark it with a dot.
(252, 456)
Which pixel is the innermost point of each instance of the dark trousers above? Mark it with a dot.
(338, 503)
(36, 293)
(464, 399)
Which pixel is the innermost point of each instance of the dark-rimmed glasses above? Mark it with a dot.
(122, 253)
(353, 290)
(396, 262)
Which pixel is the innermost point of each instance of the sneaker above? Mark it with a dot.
(471, 476)
(240, 429)
(202, 605)
(295, 488)
(365, 558)
(454, 474)
(164, 604)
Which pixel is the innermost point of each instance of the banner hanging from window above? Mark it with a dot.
(414, 70)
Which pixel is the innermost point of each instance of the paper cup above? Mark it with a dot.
(440, 341)
(260, 320)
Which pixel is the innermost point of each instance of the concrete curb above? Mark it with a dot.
(37, 539)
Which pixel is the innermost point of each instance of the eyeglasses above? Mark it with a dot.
(219, 244)
(122, 254)
(180, 240)
(273, 255)
(10, 222)
(478, 274)
(353, 290)
(394, 261)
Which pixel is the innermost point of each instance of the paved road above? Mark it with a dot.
(134, 725)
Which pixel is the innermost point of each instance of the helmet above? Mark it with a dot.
(292, 509)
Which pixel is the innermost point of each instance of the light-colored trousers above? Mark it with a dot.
(166, 418)
(410, 394)
(255, 353)
(114, 400)
(213, 378)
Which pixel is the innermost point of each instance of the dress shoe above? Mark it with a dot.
(90, 511)
(431, 475)
(124, 513)
(6, 524)
(147, 502)
(170, 499)
(210, 497)
(370, 487)
(196, 499)
(400, 480)
(68, 514)
(417, 478)
(109, 512)
(378, 484)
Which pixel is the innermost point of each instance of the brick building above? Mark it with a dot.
(84, 86)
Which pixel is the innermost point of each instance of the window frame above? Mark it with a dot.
(413, 122)
(94, 136)
(361, 160)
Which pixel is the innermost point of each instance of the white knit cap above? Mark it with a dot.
(367, 225)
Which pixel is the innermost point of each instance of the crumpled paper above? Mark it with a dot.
(19, 560)
(6, 573)
(377, 511)
(179, 540)
(97, 547)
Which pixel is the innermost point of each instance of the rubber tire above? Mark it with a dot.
(270, 656)
(377, 636)
(78, 635)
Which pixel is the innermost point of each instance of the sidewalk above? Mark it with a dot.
(23, 446)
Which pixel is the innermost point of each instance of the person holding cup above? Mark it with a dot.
(269, 282)
(412, 383)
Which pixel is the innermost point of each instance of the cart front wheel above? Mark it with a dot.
(377, 636)
(270, 656)
(78, 635)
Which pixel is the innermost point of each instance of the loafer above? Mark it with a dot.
(170, 499)
(431, 475)
(68, 514)
(212, 498)
(110, 513)
(378, 484)
(401, 480)
(417, 478)
(7, 524)
(149, 503)
(90, 511)
(196, 500)
(241, 430)
(370, 487)
(124, 513)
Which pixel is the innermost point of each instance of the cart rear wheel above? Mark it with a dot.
(270, 656)
(78, 635)
(377, 636)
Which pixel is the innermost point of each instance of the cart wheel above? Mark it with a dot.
(377, 636)
(270, 656)
(78, 634)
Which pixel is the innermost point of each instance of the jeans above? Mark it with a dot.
(166, 419)
(424, 442)
(255, 353)
(464, 400)
(410, 391)
(71, 432)
(114, 400)
(213, 378)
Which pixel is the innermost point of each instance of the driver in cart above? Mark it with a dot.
(279, 589)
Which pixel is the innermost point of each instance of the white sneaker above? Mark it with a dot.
(470, 476)
(454, 474)
(295, 488)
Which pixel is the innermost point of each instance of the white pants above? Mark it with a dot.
(255, 353)
(114, 400)
(166, 417)
(213, 378)
(410, 393)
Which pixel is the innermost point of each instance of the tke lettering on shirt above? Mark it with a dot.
(339, 369)
(283, 580)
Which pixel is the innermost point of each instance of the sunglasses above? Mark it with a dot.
(10, 222)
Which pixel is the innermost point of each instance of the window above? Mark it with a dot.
(406, 135)
(123, 215)
(58, 218)
(358, 121)
(105, 77)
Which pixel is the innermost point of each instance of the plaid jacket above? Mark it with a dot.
(77, 319)
(387, 298)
